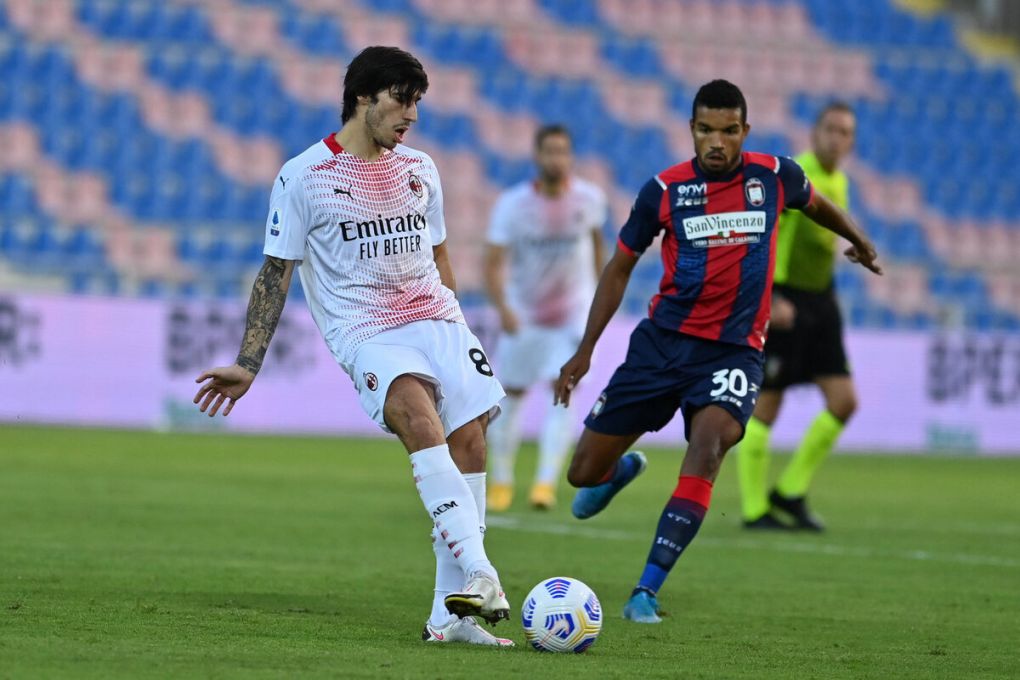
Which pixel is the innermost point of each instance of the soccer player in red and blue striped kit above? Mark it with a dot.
(700, 349)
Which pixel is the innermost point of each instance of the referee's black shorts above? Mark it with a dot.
(813, 348)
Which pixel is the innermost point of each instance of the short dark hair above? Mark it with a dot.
(550, 130)
(720, 94)
(379, 68)
(835, 105)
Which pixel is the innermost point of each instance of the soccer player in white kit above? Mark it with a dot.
(549, 231)
(363, 217)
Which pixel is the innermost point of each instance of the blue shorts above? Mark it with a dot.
(665, 371)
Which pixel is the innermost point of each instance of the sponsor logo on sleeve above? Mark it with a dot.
(274, 222)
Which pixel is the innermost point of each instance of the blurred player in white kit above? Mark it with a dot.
(543, 260)
(362, 215)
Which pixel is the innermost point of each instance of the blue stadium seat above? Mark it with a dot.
(573, 12)
(154, 288)
(404, 7)
(635, 57)
(315, 34)
(252, 253)
(84, 248)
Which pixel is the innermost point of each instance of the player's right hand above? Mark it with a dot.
(226, 383)
(570, 375)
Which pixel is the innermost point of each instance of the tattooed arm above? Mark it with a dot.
(264, 308)
(268, 295)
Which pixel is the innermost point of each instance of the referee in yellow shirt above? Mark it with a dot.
(805, 342)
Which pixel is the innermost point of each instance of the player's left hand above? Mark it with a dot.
(223, 384)
(864, 254)
(570, 375)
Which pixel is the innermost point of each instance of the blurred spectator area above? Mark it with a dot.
(141, 137)
(997, 17)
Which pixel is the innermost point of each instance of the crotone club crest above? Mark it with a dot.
(416, 186)
(755, 191)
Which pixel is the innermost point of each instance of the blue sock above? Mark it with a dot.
(678, 525)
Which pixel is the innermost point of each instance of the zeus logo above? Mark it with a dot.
(688, 195)
(443, 508)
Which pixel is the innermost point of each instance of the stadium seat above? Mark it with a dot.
(926, 187)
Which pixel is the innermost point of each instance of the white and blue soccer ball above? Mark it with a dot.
(561, 614)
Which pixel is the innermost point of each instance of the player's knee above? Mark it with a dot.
(767, 409)
(576, 476)
(708, 447)
(843, 406)
(469, 453)
(416, 429)
(581, 472)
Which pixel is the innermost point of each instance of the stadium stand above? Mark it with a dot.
(142, 137)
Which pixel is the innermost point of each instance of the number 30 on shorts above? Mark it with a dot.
(481, 363)
(733, 381)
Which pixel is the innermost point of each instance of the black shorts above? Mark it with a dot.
(813, 348)
(665, 371)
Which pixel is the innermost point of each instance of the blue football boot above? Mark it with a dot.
(642, 607)
(591, 500)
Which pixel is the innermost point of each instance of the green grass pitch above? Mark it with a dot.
(132, 554)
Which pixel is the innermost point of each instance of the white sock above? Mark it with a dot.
(504, 440)
(449, 577)
(553, 442)
(449, 502)
(476, 482)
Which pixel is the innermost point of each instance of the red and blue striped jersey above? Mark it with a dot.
(719, 245)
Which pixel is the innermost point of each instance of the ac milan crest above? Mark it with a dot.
(371, 382)
(416, 186)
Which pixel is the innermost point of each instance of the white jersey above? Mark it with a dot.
(363, 232)
(549, 243)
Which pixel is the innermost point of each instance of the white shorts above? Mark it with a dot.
(534, 354)
(443, 353)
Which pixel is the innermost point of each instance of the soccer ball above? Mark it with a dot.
(561, 614)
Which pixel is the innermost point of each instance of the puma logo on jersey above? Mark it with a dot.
(346, 192)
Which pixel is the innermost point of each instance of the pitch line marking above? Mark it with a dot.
(515, 524)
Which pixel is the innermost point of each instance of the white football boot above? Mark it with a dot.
(463, 630)
(482, 596)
